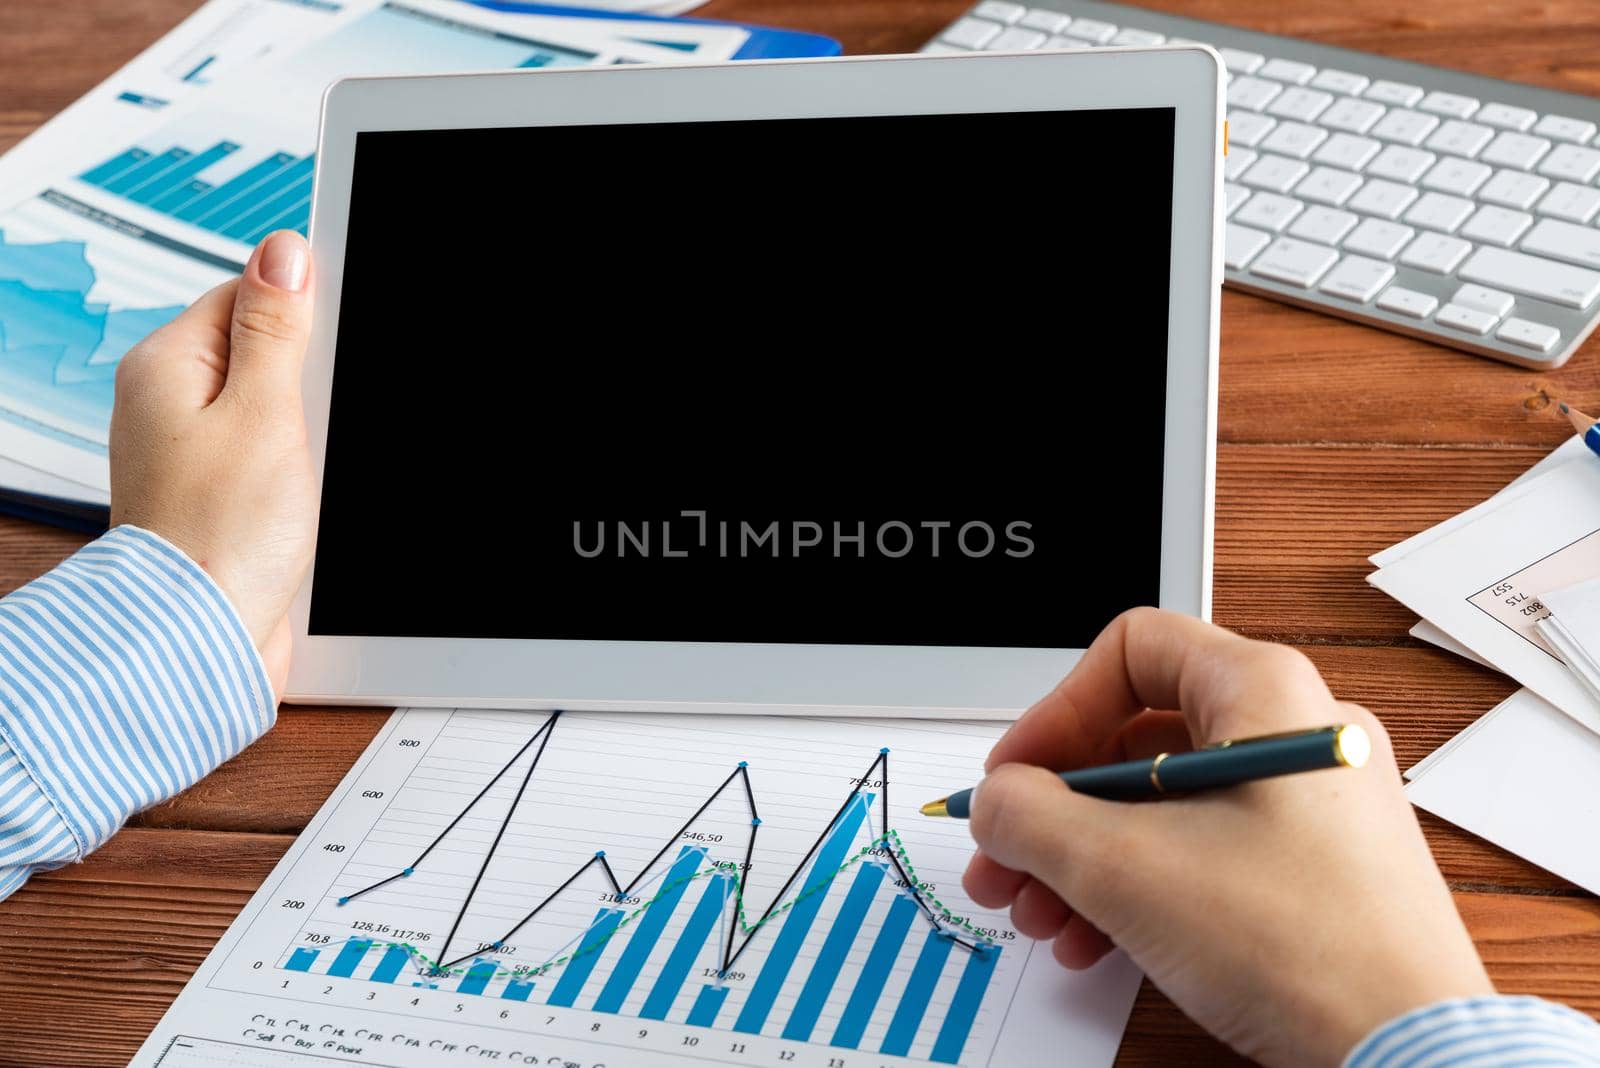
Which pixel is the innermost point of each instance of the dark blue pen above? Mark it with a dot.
(1584, 425)
(1212, 768)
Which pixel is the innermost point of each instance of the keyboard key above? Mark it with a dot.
(1092, 30)
(1496, 302)
(1241, 62)
(1460, 138)
(1529, 334)
(1017, 39)
(1435, 252)
(1378, 238)
(1348, 113)
(1041, 19)
(1248, 127)
(1268, 211)
(1340, 81)
(1491, 225)
(1532, 276)
(1240, 245)
(1405, 127)
(1467, 320)
(1436, 211)
(1237, 162)
(1506, 117)
(942, 48)
(1571, 163)
(1328, 185)
(1408, 302)
(1137, 38)
(1562, 128)
(1564, 241)
(1277, 173)
(1357, 278)
(1401, 164)
(1454, 175)
(1322, 225)
(1000, 11)
(1574, 203)
(1252, 94)
(1302, 105)
(1233, 195)
(1287, 70)
(1451, 104)
(1294, 139)
(1383, 199)
(1297, 263)
(1393, 93)
(971, 32)
(1058, 41)
(1347, 151)
(1513, 189)
(1511, 149)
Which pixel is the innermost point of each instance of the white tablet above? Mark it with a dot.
(867, 385)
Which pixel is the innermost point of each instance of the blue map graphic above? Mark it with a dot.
(59, 350)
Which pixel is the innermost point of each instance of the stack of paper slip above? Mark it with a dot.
(1485, 583)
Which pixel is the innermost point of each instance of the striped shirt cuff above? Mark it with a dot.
(1503, 1032)
(125, 677)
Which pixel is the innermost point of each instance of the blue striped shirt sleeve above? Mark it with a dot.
(1485, 1032)
(125, 676)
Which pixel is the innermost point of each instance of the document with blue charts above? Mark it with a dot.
(639, 891)
(94, 259)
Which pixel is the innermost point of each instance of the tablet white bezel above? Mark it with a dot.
(828, 679)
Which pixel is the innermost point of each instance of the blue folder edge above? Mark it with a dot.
(764, 41)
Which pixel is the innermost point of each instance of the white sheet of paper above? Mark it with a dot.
(1480, 582)
(470, 840)
(1524, 777)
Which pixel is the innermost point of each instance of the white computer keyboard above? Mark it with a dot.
(1427, 201)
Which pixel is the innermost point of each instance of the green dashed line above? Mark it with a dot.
(890, 840)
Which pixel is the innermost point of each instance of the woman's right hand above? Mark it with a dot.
(1289, 917)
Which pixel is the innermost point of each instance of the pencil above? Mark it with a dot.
(1585, 425)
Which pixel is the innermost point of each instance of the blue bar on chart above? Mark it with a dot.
(395, 958)
(477, 977)
(797, 924)
(151, 167)
(267, 201)
(875, 973)
(707, 1005)
(963, 1011)
(114, 166)
(825, 969)
(180, 196)
(344, 965)
(517, 990)
(914, 1001)
(584, 958)
(691, 940)
(151, 189)
(645, 936)
(200, 212)
(300, 960)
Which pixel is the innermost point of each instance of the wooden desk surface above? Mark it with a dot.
(1336, 440)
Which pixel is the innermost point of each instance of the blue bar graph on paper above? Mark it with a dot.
(152, 189)
(690, 942)
(344, 965)
(797, 924)
(477, 977)
(137, 176)
(200, 212)
(825, 969)
(958, 1019)
(177, 198)
(584, 958)
(869, 984)
(300, 960)
(394, 961)
(517, 990)
(914, 1001)
(272, 197)
(114, 166)
(645, 936)
(707, 1005)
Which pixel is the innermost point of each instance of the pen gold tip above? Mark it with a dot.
(936, 808)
